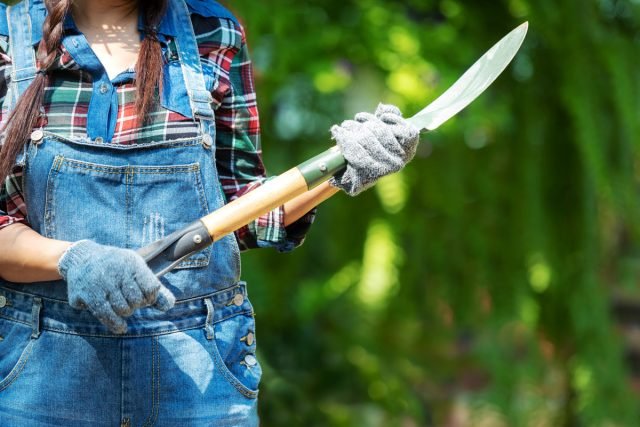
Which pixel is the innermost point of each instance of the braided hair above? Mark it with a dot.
(27, 111)
(149, 64)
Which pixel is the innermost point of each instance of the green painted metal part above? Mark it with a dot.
(322, 167)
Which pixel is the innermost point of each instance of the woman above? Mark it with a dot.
(101, 157)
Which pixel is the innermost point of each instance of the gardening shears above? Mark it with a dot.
(165, 254)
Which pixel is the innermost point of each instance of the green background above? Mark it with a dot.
(493, 281)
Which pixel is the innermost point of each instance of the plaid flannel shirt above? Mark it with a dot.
(223, 50)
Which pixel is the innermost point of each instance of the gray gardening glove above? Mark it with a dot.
(111, 283)
(373, 146)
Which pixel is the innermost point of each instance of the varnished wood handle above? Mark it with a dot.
(252, 205)
(165, 254)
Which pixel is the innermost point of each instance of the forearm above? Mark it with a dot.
(26, 256)
(297, 207)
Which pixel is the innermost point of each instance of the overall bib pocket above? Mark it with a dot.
(16, 346)
(104, 203)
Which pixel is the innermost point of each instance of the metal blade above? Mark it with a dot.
(472, 83)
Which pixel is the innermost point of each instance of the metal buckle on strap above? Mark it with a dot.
(197, 96)
(202, 113)
(201, 104)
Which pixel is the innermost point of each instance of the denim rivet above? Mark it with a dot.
(36, 136)
(99, 140)
(250, 360)
(197, 239)
(104, 88)
(3, 301)
(1, 338)
(238, 299)
(75, 42)
(249, 338)
(207, 141)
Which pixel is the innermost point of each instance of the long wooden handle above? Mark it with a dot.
(165, 254)
(252, 205)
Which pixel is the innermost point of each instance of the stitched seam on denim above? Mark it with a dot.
(231, 290)
(123, 403)
(19, 367)
(230, 240)
(3, 316)
(23, 180)
(200, 186)
(28, 295)
(149, 334)
(21, 35)
(133, 170)
(196, 257)
(218, 298)
(220, 293)
(128, 207)
(23, 74)
(157, 391)
(49, 201)
(10, 96)
(224, 370)
(202, 258)
(155, 383)
(170, 143)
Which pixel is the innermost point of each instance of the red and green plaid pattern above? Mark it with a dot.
(223, 49)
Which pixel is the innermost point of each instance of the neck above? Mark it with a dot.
(104, 14)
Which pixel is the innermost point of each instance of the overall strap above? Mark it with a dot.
(21, 50)
(200, 98)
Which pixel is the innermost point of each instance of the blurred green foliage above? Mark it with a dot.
(474, 287)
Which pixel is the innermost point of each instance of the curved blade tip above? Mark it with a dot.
(524, 25)
(519, 33)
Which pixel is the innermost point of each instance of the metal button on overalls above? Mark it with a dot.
(250, 360)
(207, 141)
(238, 299)
(37, 136)
(249, 338)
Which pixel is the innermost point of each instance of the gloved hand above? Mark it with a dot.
(373, 146)
(111, 283)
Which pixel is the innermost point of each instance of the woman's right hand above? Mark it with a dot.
(111, 283)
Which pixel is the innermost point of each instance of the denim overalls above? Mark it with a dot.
(192, 366)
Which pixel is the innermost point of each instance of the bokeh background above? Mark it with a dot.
(494, 281)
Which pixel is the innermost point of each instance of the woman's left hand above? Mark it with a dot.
(373, 146)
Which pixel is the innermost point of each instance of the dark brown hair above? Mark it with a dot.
(27, 111)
